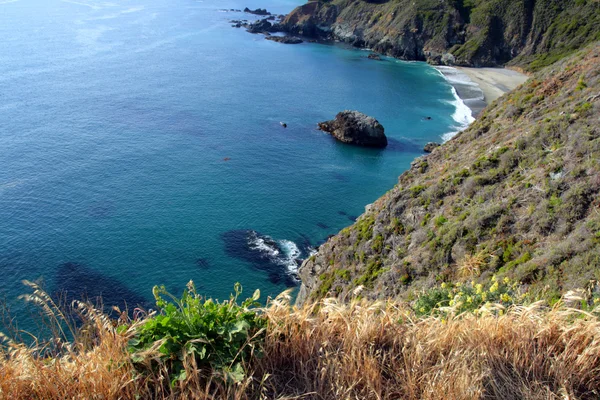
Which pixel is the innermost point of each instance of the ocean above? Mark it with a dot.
(140, 144)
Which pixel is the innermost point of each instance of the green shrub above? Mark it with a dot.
(219, 337)
(364, 226)
(440, 220)
(466, 297)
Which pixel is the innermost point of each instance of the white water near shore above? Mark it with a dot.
(494, 82)
(468, 99)
(475, 88)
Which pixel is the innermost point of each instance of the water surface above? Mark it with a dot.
(140, 144)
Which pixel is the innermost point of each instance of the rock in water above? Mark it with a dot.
(374, 56)
(285, 39)
(258, 11)
(430, 146)
(262, 26)
(354, 127)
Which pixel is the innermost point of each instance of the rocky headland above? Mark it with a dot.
(525, 34)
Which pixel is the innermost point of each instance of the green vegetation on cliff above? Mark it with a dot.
(530, 34)
(516, 196)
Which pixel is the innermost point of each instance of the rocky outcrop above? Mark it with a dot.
(261, 26)
(429, 147)
(356, 128)
(531, 33)
(516, 195)
(285, 39)
(258, 11)
(374, 56)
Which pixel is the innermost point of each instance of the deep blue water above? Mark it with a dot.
(140, 141)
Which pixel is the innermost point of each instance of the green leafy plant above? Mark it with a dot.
(192, 331)
(467, 297)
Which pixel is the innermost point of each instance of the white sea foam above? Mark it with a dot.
(291, 253)
(463, 115)
(260, 243)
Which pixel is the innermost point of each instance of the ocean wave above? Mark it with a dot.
(469, 92)
(283, 252)
(279, 258)
(292, 255)
(263, 244)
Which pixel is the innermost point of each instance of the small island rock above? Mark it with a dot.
(258, 11)
(354, 127)
(430, 146)
(374, 56)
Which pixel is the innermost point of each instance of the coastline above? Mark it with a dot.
(478, 87)
(494, 82)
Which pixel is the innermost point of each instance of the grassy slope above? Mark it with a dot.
(516, 194)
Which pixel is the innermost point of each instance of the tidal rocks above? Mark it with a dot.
(356, 128)
(261, 26)
(429, 147)
(258, 11)
(374, 56)
(285, 39)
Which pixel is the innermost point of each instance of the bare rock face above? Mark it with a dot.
(356, 128)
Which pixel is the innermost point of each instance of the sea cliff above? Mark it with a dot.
(513, 196)
(526, 34)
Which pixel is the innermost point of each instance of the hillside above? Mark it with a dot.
(515, 195)
(529, 34)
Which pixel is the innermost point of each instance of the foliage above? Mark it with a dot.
(467, 297)
(218, 337)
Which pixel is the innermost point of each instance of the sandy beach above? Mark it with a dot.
(494, 82)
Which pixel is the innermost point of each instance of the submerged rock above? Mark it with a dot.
(429, 147)
(285, 39)
(374, 56)
(356, 128)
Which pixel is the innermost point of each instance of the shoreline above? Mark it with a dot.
(494, 82)
(479, 87)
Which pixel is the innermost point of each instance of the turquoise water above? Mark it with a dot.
(140, 141)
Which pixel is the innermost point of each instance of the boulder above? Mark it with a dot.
(430, 146)
(285, 39)
(356, 128)
(374, 56)
(261, 26)
(258, 11)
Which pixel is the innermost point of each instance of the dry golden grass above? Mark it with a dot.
(471, 265)
(344, 351)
